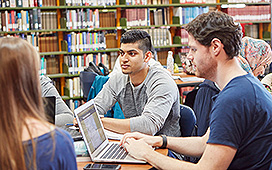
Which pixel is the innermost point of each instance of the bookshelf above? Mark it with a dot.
(171, 26)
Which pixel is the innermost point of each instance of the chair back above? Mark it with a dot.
(86, 81)
(187, 120)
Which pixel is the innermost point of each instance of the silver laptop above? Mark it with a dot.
(98, 145)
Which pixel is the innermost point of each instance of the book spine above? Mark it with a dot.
(12, 3)
(7, 3)
(69, 41)
(31, 20)
(27, 20)
(39, 19)
(19, 3)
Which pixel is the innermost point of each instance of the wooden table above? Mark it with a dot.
(181, 83)
(146, 166)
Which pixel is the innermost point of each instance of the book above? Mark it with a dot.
(25, 3)
(82, 154)
(12, 3)
(35, 19)
(19, 3)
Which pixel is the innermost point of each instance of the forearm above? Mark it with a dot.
(164, 162)
(190, 146)
(116, 125)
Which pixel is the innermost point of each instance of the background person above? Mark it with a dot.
(148, 96)
(63, 113)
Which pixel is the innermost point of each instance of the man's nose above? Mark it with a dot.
(190, 56)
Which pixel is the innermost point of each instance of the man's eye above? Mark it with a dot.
(121, 53)
(132, 54)
(193, 49)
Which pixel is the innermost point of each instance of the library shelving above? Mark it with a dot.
(55, 23)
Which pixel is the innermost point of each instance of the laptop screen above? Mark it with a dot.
(50, 108)
(92, 128)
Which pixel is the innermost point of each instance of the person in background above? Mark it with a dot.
(28, 141)
(63, 113)
(267, 82)
(240, 132)
(148, 96)
(257, 54)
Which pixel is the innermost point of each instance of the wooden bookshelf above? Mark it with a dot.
(119, 6)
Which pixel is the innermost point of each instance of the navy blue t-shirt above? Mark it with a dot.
(53, 153)
(242, 118)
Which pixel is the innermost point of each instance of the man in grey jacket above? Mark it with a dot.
(63, 113)
(148, 96)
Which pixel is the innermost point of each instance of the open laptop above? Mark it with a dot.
(49, 104)
(98, 145)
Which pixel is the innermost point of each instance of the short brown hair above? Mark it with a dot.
(205, 27)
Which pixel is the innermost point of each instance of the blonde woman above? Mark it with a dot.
(28, 141)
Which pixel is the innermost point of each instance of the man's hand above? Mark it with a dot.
(75, 122)
(137, 148)
(150, 140)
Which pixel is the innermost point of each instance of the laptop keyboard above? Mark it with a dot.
(115, 152)
(76, 135)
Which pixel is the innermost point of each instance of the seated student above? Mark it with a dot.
(255, 56)
(240, 130)
(28, 141)
(148, 96)
(63, 113)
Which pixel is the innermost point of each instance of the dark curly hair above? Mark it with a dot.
(138, 36)
(219, 25)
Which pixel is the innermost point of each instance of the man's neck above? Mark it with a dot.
(137, 78)
(228, 70)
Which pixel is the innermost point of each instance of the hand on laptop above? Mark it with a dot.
(75, 122)
(137, 148)
(154, 141)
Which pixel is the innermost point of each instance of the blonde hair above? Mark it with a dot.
(20, 99)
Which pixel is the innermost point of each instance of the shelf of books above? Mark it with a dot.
(69, 34)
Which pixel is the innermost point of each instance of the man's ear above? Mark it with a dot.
(148, 56)
(216, 46)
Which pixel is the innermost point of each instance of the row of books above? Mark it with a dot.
(197, 1)
(32, 38)
(107, 19)
(49, 20)
(49, 65)
(146, 2)
(146, 16)
(79, 18)
(160, 36)
(90, 2)
(250, 13)
(42, 43)
(49, 3)
(72, 87)
(77, 63)
(187, 14)
(48, 43)
(247, 1)
(252, 31)
(86, 41)
(184, 50)
(20, 21)
(73, 104)
(21, 3)
(183, 34)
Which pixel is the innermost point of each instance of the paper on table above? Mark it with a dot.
(113, 135)
(175, 77)
(191, 79)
